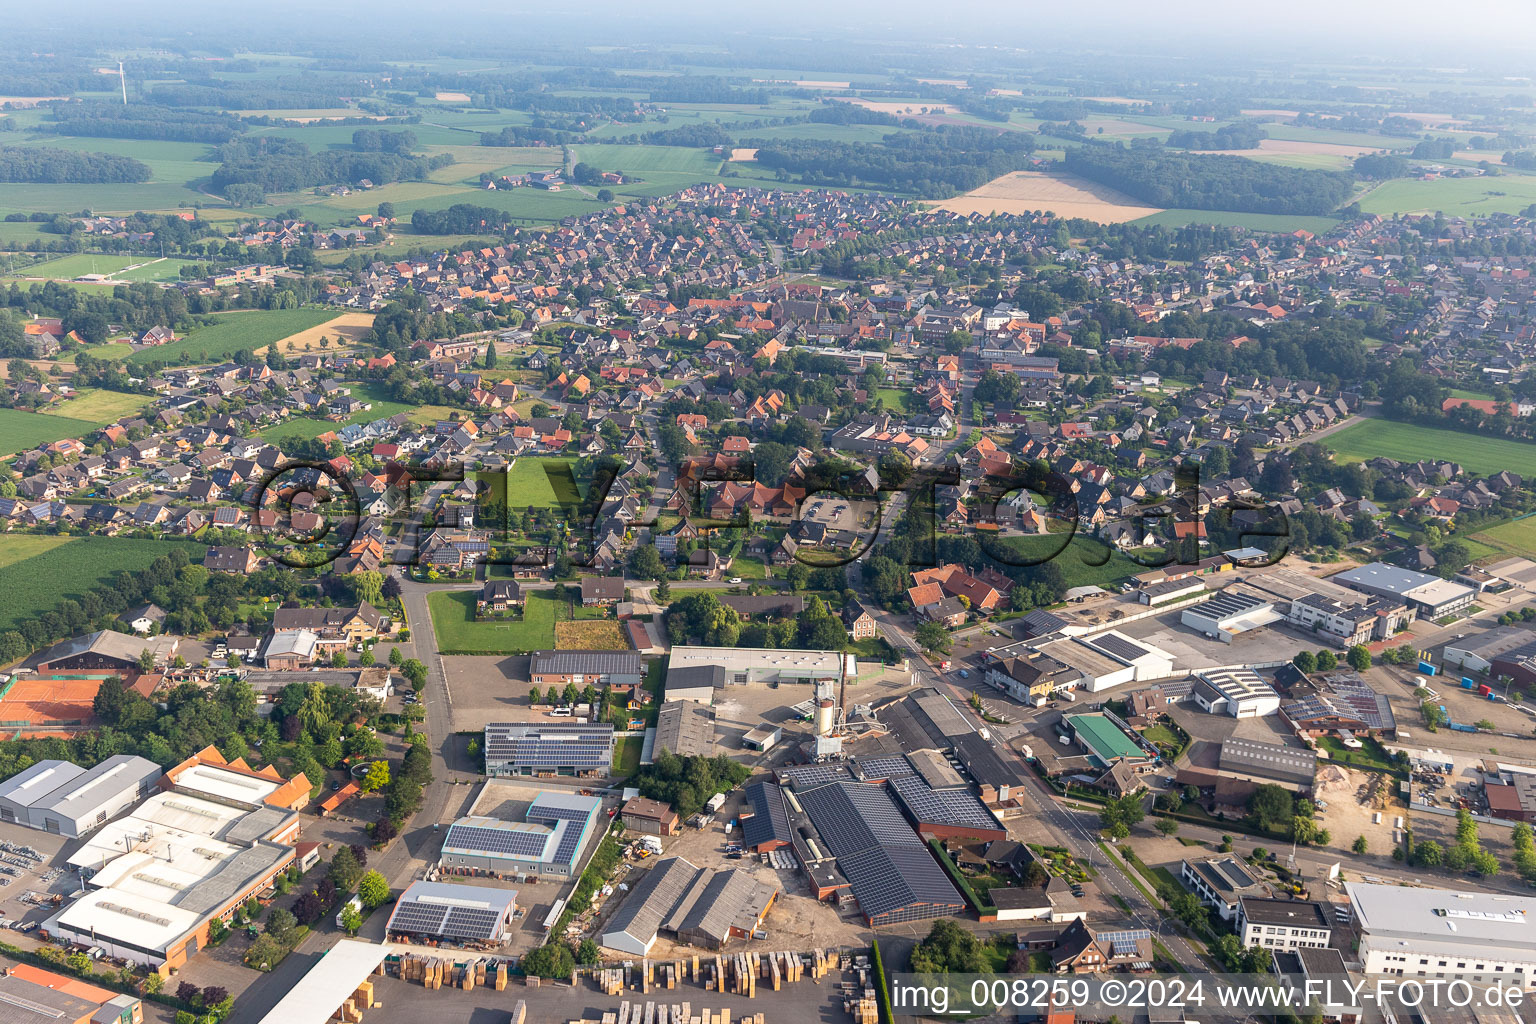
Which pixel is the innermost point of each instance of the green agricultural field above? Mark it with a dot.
(456, 629)
(1466, 197)
(31, 586)
(1279, 222)
(1517, 537)
(231, 332)
(116, 198)
(22, 546)
(20, 431)
(100, 406)
(1410, 442)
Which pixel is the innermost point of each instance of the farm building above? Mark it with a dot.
(766, 827)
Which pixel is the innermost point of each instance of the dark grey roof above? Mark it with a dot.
(985, 764)
(586, 663)
(1291, 913)
(686, 727)
(769, 820)
(652, 899)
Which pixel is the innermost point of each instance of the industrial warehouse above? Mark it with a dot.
(575, 748)
(215, 835)
(546, 842)
(700, 906)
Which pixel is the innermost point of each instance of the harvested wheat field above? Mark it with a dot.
(1270, 113)
(958, 83)
(739, 156)
(589, 635)
(1292, 148)
(452, 97)
(1062, 194)
(805, 83)
(345, 330)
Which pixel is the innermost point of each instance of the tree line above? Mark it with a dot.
(941, 162)
(47, 165)
(143, 121)
(1208, 181)
(275, 164)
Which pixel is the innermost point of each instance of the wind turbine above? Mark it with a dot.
(124, 79)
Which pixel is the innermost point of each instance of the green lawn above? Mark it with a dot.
(529, 485)
(231, 332)
(32, 585)
(1517, 536)
(626, 754)
(20, 431)
(1075, 559)
(1410, 442)
(100, 406)
(453, 620)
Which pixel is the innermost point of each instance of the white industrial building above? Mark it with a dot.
(1110, 659)
(695, 673)
(1238, 692)
(1476, 652)
(67, 800)
(1473, 936)
(1430, 596)
(1229, 613)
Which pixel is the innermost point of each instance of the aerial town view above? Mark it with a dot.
(696, 514)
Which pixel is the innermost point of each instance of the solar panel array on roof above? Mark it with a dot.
(453, 912)
(1117, 646)
(874, 769)
(889, 869)
(901, 883)
(954, 807)
(853, 816)
(1125, 943)
(507, 840)
(549, 747)
(1226, 603)
(804, 776)
(769, 821)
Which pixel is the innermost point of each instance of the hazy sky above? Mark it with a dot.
(1364, 26)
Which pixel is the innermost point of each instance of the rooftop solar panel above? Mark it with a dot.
(1125, 943)
(943, 806)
